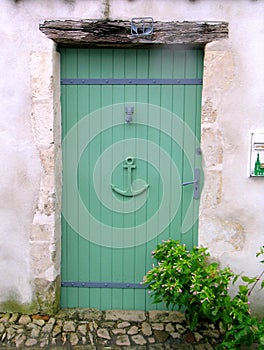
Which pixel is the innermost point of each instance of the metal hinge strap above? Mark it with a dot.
(103, 285)
(105, 81)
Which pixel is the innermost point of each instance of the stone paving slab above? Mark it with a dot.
(92, 329)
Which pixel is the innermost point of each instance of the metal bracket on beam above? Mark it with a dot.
(141, 26)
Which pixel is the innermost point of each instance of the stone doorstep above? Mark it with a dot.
(91, 329)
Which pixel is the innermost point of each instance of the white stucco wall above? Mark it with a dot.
(232, 206)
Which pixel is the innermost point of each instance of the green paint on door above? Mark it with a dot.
(122, 180)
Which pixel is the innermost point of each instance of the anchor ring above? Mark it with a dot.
(130, 160)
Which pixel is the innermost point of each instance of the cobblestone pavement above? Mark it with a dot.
(91, 329)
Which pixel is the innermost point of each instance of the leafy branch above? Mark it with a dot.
(187, 279)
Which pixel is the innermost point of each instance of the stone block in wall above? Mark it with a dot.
(166, 316)
(47, 295)
(41, 232)
(219, 73)
(212, 146)
(209, 111)
(222, 235)
(42, 115)
(125, 315)
(42, 261)
(41, 71)
(47, 157)
(212, 190)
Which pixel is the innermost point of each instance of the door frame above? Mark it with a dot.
(45, 86)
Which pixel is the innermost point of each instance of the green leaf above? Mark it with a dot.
(243, 288)
(248, 280)
(193, 321)
(236, 278)
(215, 311)
(261, 341)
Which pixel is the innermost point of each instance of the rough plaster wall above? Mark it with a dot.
(231, 213)
(231, 217)
(20, 165)
(30, 142)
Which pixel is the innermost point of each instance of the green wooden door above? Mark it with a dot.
(130, 139)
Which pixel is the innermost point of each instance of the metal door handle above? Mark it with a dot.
(189, 182)
(195, 182)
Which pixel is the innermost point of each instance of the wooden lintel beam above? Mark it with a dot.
(118, 33)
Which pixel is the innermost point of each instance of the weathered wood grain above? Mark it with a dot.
(118, 33)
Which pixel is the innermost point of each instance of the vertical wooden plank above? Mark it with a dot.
(106, 140)
(190, 114)
(129, 133)
(155, 65)
(199, 70)
(198, 159)
(140, 252)
(95, 62)
(177, 152)
(83, 111)
(153, 135)
(71, 120)
(64, 238)
(118, 135)
(167, 57)
(83, 64)
(94, 154)
(166, 140)
(63, 222)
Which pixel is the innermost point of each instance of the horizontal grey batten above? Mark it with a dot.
(67, 81)
(103, 285)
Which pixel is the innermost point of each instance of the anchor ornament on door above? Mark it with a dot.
(129, 165)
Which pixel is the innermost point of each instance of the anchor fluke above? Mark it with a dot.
(129, 192)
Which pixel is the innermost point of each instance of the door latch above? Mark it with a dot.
(195, 183)
(129, 112)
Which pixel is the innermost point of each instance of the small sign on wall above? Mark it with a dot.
(257, 154)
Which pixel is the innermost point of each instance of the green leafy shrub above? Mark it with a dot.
(187, 279)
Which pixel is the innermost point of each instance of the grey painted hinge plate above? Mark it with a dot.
(122, 285)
